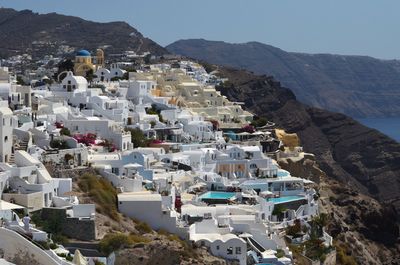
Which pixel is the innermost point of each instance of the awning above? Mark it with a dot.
(245, 235)
(198, 185)
(9, 206)
(133, 165)
(266, 193)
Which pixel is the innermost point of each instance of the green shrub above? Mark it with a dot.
(60, 239)
(280, 253)
(53, 246)
(113, 242)
(259, 121)
(278, 209)
(59, 144)
(37, 219)
(138, 138)
(138, 238)
(65, 131)
(143, 228)
(44, 244)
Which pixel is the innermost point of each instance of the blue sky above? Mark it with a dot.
(359, 27)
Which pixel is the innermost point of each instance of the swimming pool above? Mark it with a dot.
(283, 173)
(217, 195)
(285, 199)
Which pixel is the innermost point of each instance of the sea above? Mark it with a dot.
(388, 126)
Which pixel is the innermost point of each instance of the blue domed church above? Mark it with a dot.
(84, 62)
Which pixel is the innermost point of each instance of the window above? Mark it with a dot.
(73, 86)
(11, 122)
(238, 250)
(217, 247)
(64, 86)
(115, 170)
(229, 251)
(69, 82)
(6, 139)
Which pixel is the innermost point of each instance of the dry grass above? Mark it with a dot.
(117, 241)
(103, 194)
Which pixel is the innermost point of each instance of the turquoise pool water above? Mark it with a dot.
(284, 199)
(217, 195)
(283, 174)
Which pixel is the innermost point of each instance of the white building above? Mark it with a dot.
(152, 208)
(7, 123)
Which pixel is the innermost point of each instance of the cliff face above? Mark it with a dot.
(38, 35)
(359, 164)
(358, 86)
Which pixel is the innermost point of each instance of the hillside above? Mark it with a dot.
(358, 86)
(38, 35)
(346, 150)
(356, 160)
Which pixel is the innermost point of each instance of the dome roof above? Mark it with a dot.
(83, 53)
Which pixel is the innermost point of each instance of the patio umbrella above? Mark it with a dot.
(9, 206)
(266, 193)
(245, 235)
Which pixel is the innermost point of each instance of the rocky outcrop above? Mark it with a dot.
(358, 86)
(361, 227)
(303, 166)
(167, 252)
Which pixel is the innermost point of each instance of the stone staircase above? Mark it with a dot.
(21, 145)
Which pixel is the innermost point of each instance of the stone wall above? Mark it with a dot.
(72, 173)
(81, 229)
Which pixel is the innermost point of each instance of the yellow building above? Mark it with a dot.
(83, 62)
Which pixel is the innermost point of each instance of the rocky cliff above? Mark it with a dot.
(38, 35)
(358, 86)
(345, 149)
(358, 161)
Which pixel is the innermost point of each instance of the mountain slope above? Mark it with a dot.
(358, 86)
(356, 159)
(28, 32)
(346, 150)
